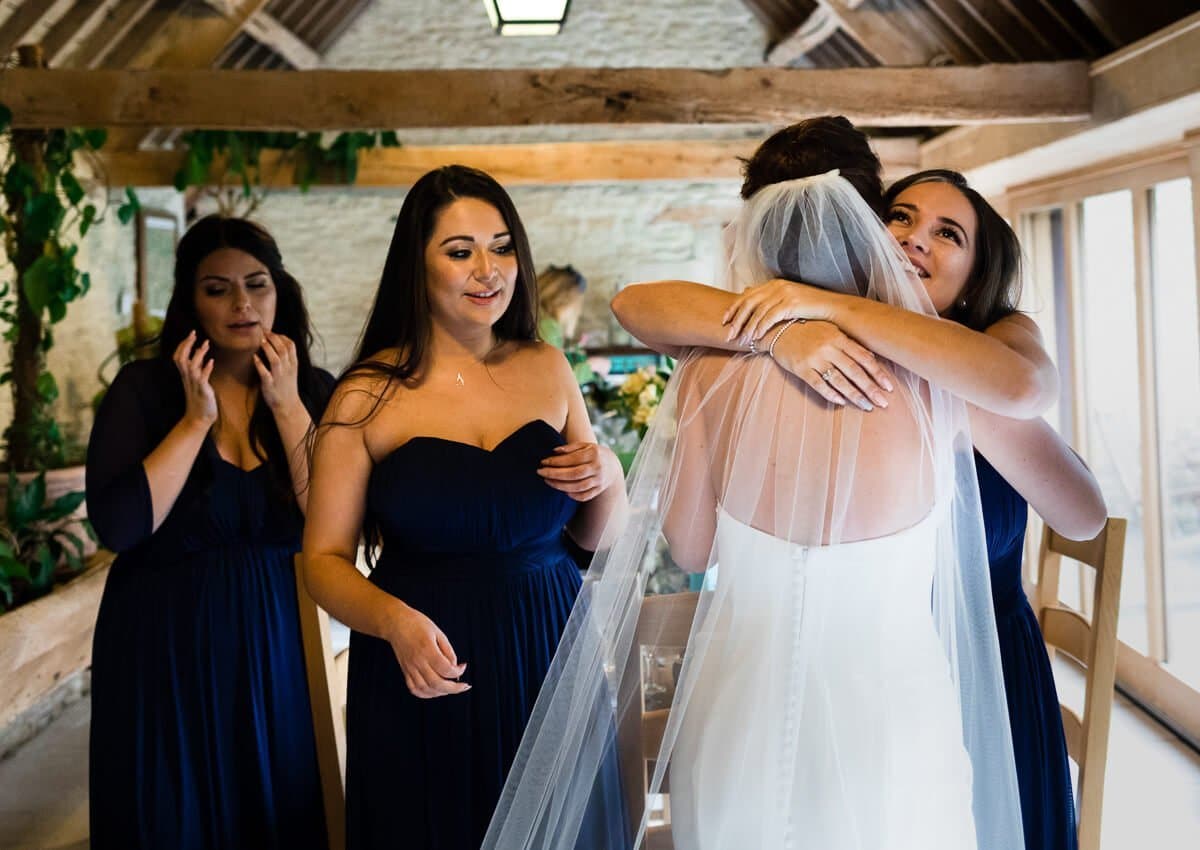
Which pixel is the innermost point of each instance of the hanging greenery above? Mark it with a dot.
(237, 155)
(45, 212)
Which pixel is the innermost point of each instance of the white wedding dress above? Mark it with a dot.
(841, 685)
(823, 713)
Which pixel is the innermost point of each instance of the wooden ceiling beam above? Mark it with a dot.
(182, 34)
(516, 164)
(321, 100)
(24, 20)
(1154, 74)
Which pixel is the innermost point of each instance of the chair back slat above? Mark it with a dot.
(1094, 646)
(327, 698)
(1068, 631)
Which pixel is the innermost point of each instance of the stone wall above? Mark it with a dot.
(335, 243)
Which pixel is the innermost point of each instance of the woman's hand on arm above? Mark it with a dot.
(837, 367)
(1005, 369)
(587, 472)
(278, 369)
(340, 474)
(1038, 463)
(168, 466)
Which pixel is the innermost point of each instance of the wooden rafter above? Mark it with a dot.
(815, 30)
(23, 21)
(885, 34)
(317, 100)
(1122, 21)
(113, 27)
(268, 31)
(183, 34)
(517, 164)
(1155, 72)
(81, 18)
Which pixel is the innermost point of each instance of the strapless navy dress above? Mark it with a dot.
(1040, 748)
(473, 539)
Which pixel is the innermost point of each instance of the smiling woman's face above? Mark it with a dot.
(470, 265)
(936, 225)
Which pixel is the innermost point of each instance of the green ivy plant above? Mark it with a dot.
(240, 186)
(44, 211)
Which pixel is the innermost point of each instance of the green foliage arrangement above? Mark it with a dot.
(238, 157)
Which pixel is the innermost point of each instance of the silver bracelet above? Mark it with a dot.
(779, 333)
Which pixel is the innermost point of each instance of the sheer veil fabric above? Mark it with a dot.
(841, 687)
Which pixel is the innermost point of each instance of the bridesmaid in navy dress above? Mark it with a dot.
(989, 354)
(461, 446)
(201, 732)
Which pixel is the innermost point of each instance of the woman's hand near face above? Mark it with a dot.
(837, 367)
(582, 470)
(278, 366)
(200, 402)
(426, 657)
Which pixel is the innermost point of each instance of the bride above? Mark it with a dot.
(841, 687)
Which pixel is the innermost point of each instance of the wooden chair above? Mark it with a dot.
(1094, 646)
(666, 621)
(327, 695)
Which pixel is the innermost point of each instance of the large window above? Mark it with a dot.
(1112, 386)
(1112, 282)
(1177, 365)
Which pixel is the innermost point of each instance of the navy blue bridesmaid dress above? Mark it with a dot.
(473, 539)
(1043, 774)
(201, 732)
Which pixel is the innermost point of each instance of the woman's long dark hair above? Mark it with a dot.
(400, 318)
(212, 233)
(993, 287)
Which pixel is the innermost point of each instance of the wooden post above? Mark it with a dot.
(28, 359)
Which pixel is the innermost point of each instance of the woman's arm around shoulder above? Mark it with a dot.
(671, 315)
(587, 472)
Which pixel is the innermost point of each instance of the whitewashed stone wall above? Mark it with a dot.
(336, 242)
(598, 34)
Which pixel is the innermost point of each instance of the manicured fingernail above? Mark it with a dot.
(887, 385)
(880, 401)
(867, 406)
